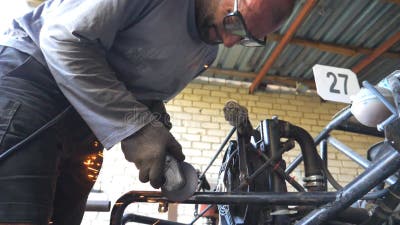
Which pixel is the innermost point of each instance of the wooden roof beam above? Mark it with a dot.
(308, 6)
(392, 1)
(337, 49)
(376, 53)
(281, 80)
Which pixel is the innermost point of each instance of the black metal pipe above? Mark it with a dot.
(349, 215)
(312, 161)
(98, 206)
(324, 155)
(147, 220)
(264, 198)
(221, 148)
(374, 175)
(271, 136)
(342, 116)
(224, 198)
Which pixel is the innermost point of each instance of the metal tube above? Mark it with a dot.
(321, 136)
(227, 138)
(265, 198)
(270, 134)
(381, 126)
(374, 175)
(355, 157)
(340, 118)
(293, 165)
(147, 220)
(388, 105)
(98, 206)
(323, 147)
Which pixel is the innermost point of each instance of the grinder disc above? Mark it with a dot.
(191, 181)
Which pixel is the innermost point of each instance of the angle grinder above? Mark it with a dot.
(181, 180)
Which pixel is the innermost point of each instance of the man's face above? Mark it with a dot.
(260, 16)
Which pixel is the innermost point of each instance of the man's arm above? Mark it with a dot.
(74, 41)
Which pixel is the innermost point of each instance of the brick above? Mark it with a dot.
(218, 119)
(182, 102)
(178, 129)
(257, 110)
(201, 145)
(191, 137)
(235, 96)
(202, 105)
(187, 90)
(173, 108)
(282, 101)
(294, 114)
(309, 121)
(191, 123)
(219, 94)
(251, 103)
(210, 125)
(203, 118)
(314, 116)
(345, 178)
(243, 91)
(229, 89)
(266, 99)
(295, 102)
(289, 107)
(210, 112)
(185, 144)
(316, 128)
(211, 87)
(192, 110)
(276, 106)
(192, 151)
(203, 160)
(201, 92)
(287, 96)
(217, 132)
(251, 97)
(278, 113)
(217, 106)
(195, 86)
(183, 116)
(192, 97)
(210, 139)
(199, 131)
(210, 99)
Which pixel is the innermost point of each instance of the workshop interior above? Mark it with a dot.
(266, 142)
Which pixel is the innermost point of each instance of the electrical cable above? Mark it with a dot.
(34, 134)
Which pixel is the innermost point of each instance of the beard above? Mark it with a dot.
(205, 21)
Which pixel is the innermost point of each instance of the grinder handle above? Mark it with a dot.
(174, 177)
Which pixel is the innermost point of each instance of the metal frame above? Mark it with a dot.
(328, 204)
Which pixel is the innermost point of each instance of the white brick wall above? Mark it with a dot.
(200, 127)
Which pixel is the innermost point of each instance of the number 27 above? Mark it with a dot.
(333, 87)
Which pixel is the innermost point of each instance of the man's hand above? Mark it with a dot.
(147, 148)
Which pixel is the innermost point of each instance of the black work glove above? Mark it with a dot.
(147, 148)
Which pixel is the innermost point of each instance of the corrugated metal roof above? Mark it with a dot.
(354, 23)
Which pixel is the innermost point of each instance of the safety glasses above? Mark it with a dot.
(234, 24)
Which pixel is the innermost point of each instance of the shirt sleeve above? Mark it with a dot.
(74, 40)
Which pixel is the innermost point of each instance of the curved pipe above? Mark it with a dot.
(312, 161)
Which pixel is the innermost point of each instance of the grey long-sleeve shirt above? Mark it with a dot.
(105, 55)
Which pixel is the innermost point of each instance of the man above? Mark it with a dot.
(105, 67)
